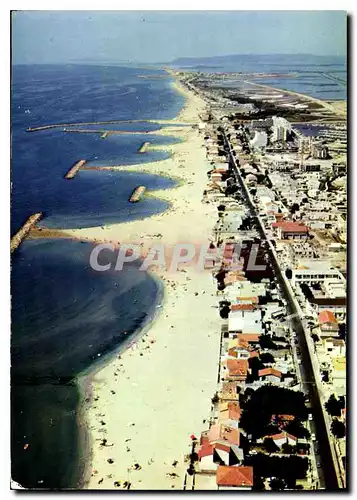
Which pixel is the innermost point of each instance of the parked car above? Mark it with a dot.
(318, 464)
(310, 416)
(313, 437)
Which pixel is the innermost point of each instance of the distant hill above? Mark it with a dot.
(267, 58)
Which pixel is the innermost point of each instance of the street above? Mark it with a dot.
(322, 451)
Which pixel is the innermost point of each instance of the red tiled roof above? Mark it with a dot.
(229, 389)
(291, 226)
(230, 411)
(248, 299)
(221, 432)
(284, 417)
(237, 366)
(327, 317)
(206, 448)
(281, 435)
(242, 342)
(234, 476)
(242, 307)
(249, 337)
(269, 371)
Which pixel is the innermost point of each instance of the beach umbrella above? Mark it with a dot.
(193, 437)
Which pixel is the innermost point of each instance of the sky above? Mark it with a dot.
(57, 37)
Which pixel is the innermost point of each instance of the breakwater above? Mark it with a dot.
(137, 194)
(74, 169)
(25, 229)
(144, 147)
(107, 132)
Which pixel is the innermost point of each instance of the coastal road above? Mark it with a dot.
(327, 472)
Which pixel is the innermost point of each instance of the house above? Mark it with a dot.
(249, 337)
(338, 375)
(211, 456)
(229, 391)
(236, 369)
(328, 323)
(229, 411)
(245, 322)
(239, 352)
(282, 438)
(282, 418)
(312, 271)
(334, 347)
(270, 375)
(291, 230)
(223, 433)
(240, 477)
(243, 307)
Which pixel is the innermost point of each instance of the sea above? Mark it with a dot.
(66, 318)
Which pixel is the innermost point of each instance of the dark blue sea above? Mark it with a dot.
(66, 317)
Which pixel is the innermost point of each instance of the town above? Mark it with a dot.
(278, 417)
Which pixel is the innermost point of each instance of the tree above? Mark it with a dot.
(215, 398)
(333, 407)
(288, 449)
(288, 274)
(315, 337)
(277, 484)
(342, 331)
(266, 342)
(294, 208)
(270, 446)
(266, 401)
(338, 428)
(266, 357)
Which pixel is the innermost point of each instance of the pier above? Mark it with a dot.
(110, 122)
(73, 170)
(21, 234)
(144, 147)
(137, 194)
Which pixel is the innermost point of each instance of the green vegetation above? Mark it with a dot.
(338, 428)
(288, 468)
(266, 342)
(270, 446)
(333, 407)
(269, 400)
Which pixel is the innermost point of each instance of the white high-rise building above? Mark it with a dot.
(280, 127)
(260, 140)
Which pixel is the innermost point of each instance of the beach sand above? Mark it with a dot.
(149, 401)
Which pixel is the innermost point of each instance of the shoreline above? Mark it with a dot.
(150, 405)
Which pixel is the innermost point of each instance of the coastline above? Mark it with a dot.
(149, 403)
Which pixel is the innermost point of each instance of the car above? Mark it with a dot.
(313, 437)
(318, 464)
(299, 361)
(310, 416)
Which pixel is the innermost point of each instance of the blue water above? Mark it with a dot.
(63, 313)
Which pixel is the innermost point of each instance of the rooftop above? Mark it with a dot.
(291, 226)
(234, 476)
(327, 317)
(269, 371)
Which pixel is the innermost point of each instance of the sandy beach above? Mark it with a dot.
(147, 402)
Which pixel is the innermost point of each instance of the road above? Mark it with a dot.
(327, 474)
